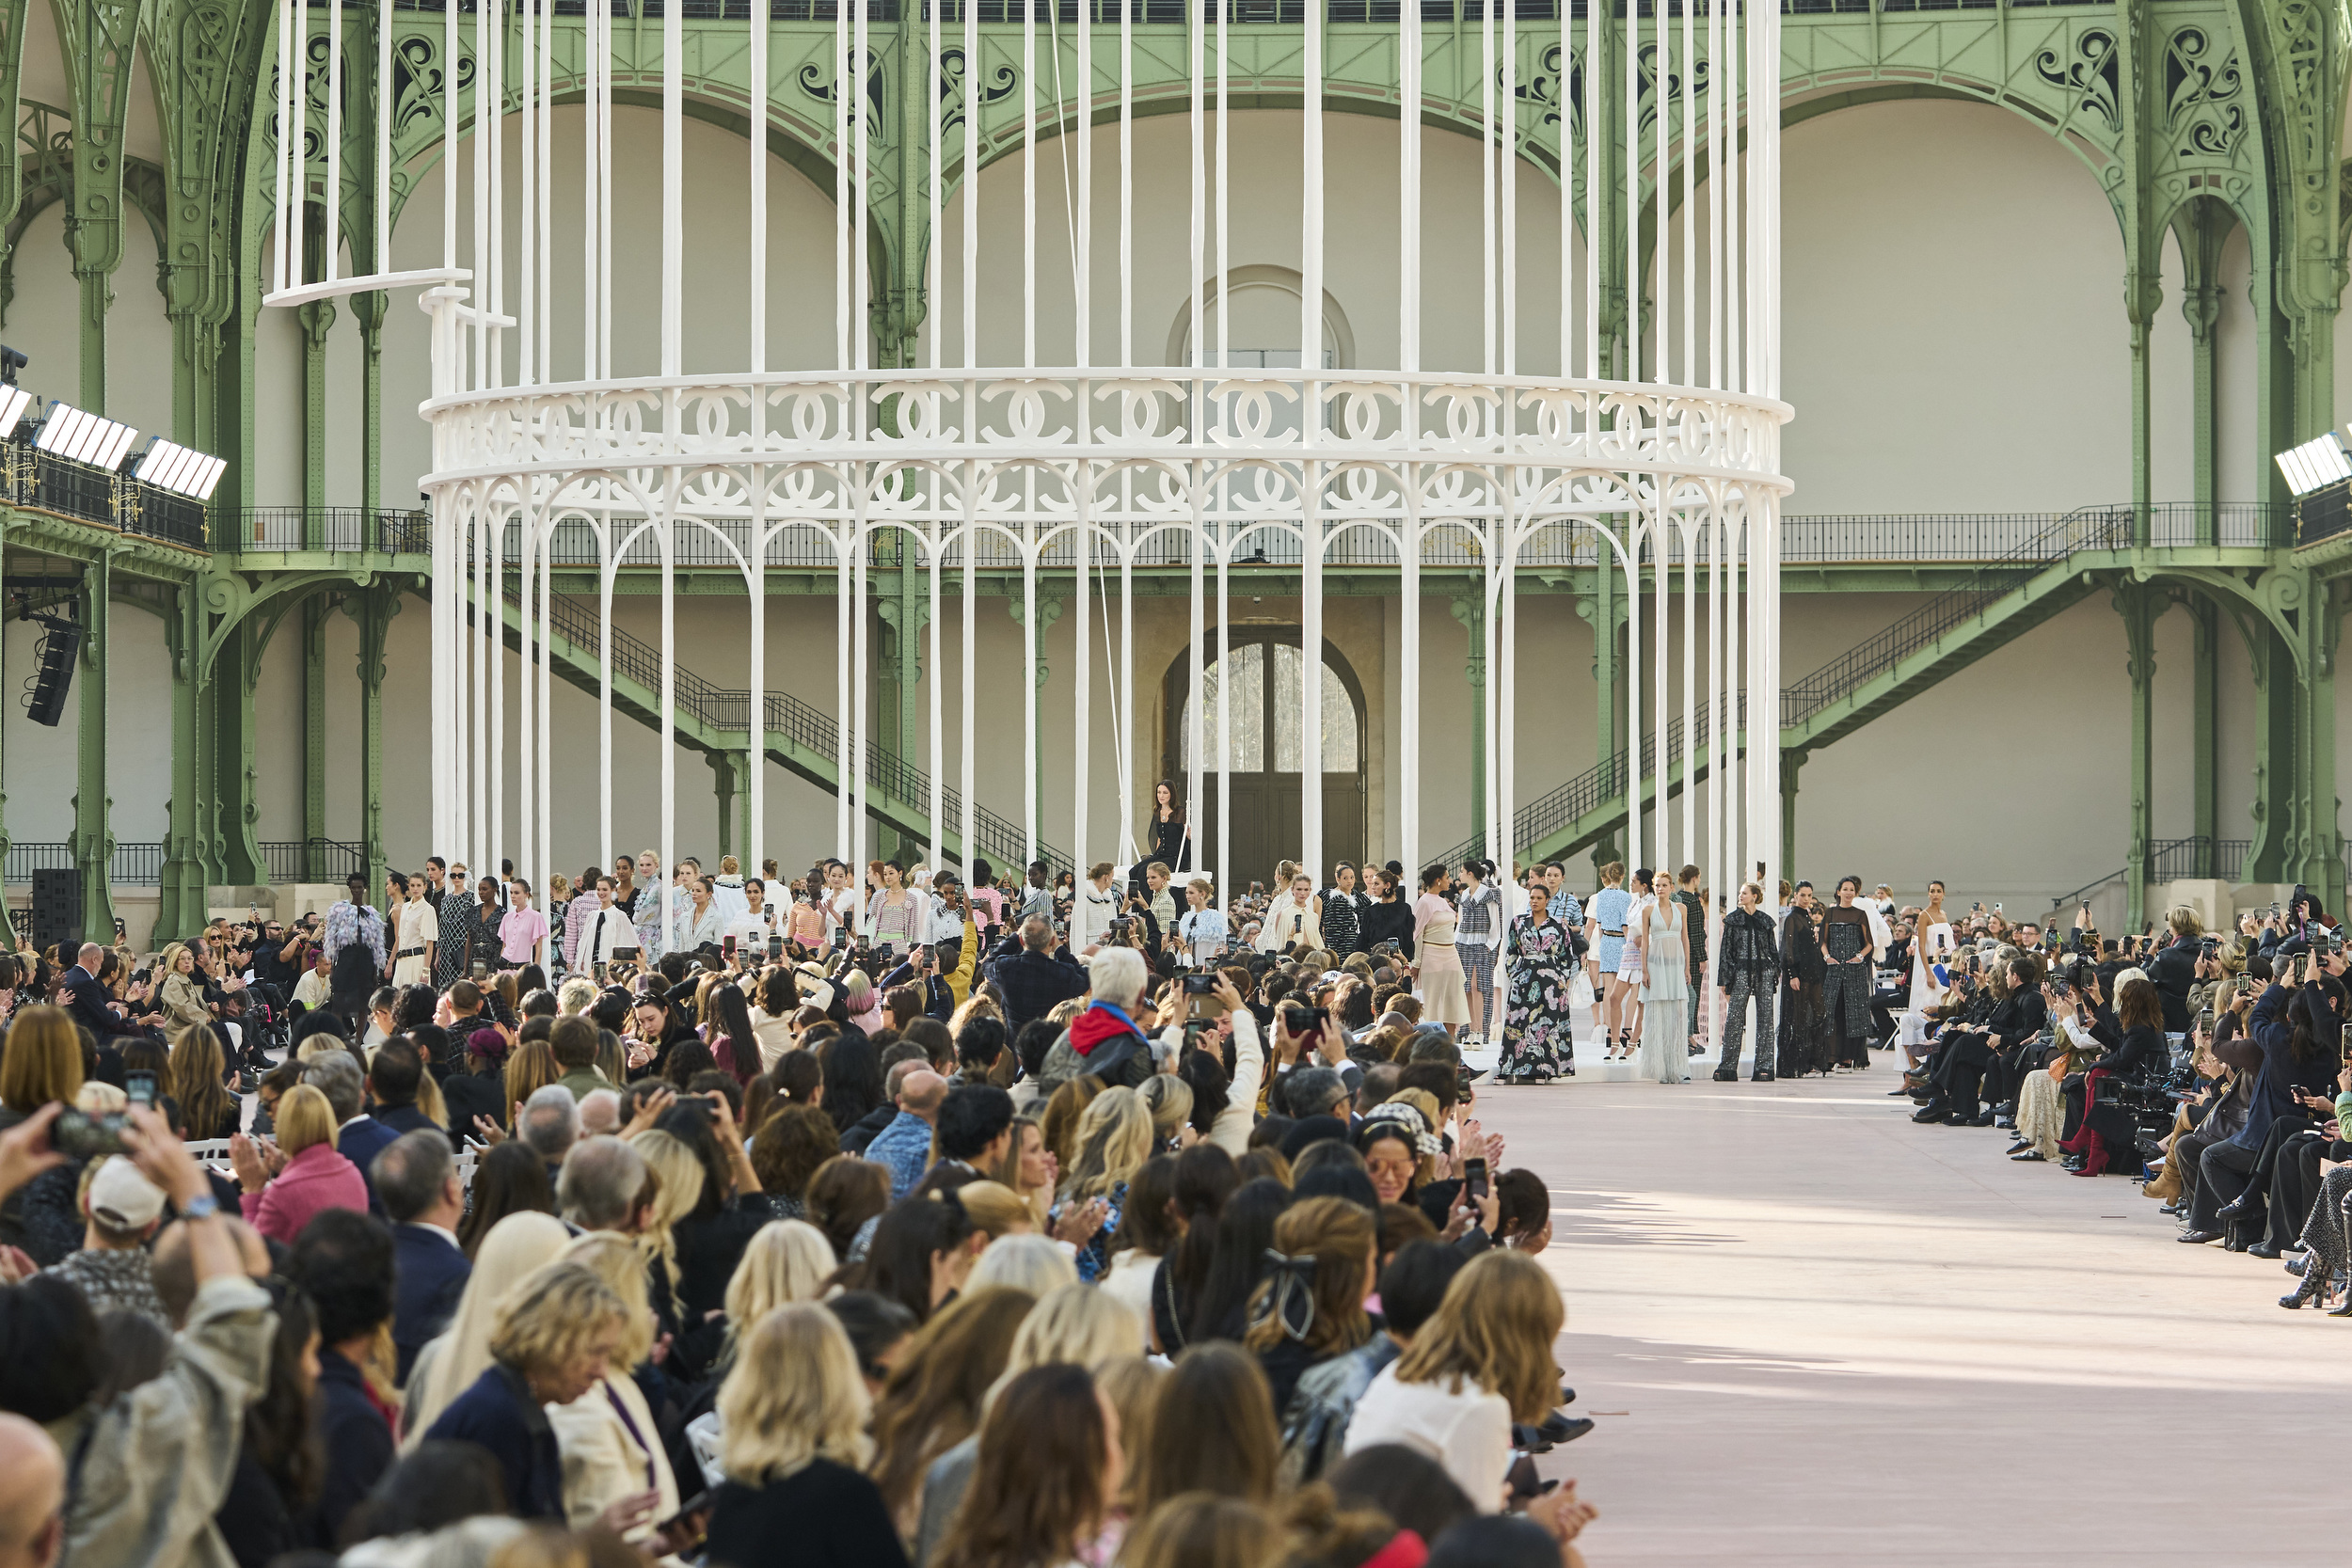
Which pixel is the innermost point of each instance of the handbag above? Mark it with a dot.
(1580, 990)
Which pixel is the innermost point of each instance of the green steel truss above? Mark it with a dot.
(2196, 116)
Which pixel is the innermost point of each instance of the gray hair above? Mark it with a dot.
(1118, 976)
(1313, 1090)
(412, 1172)
(550, 1121)
(336, 1075)
(599, 1185)
(599, 1112)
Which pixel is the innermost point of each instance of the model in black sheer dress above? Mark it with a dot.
(1172, 835)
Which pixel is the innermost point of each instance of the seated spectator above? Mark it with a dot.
(616, 1472)
(1048, 1472)
(479, 1092)
(905, 1145)
(548, 1123)
(306, 1175)
(153, 1468)
(793, 1411)
(359, 1137)
(122, 1210)
(789, 1151)
(573, 1040)
(416, 1175)
(454, 1359)
(344, 1262)
(273, 1497)
(602, 1186)
(509, 1179)
(395, 1077)
(551, 1341)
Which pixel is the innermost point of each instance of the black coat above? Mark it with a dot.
(356, 1440)
(429, 1274)
(85, 1000)
(822, 1515)
(470, 1095)
(499, 1413)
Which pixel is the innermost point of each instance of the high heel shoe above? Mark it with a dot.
(2313, 1288)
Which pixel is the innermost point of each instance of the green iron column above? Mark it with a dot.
(1048, 612)
(2273, 749)
(317, 319)
(182, 910)
(1604, 610)
(316, 611)
(368, 309)
(93, 834)
(2143, 283)
(98, 35)
(2205, 674)
(2136, 603)
(236, 670)
(1469, 608)
(727, 781)
(374, 610)
(2315, 844)
(1790, 763)
(2200, 230)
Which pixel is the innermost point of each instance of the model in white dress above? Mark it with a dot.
(1665, 993)
(1932, 943)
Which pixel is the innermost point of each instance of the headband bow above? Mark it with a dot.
(1410, 1120)
(1290, 1291)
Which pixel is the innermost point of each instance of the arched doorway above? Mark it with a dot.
(1267, 677)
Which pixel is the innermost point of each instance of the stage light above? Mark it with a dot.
(182, 470)
(13, 401)
(2315, 464)
(84, 438)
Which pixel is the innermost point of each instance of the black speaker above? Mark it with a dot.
(58, 907)
(59, 643)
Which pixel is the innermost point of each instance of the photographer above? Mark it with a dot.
(2295, 1029)
(2175, 969)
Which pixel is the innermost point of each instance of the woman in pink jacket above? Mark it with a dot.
(311, 1176)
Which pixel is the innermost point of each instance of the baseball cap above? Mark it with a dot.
(122, 1198)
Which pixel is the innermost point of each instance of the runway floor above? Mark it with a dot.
(1813, 1332)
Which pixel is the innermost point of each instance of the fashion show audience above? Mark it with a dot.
(928, 1228)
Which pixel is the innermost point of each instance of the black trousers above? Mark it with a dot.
(2223, 1171)
(1959, 1070)
(2294, 1181)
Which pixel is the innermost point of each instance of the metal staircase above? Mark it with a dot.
(1999, 602)
(714, 720)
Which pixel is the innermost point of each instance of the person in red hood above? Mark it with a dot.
(1105, 1042)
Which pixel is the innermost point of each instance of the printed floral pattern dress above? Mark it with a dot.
(1537, 1039)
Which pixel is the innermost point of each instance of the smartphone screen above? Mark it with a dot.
(1474, 1177)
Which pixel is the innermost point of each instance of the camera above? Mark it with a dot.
(1204, 984)
(85, 1136)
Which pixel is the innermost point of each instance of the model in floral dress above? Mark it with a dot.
(1538, 1037)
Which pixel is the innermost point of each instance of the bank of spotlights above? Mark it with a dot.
(168, 465)
(2315, 464)
(84, 438)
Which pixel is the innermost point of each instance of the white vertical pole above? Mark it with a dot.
(527, 315)
(934, 678)
(845, 548)
(1593, 137)
(1408, 360)
(547, 196)
(1637, 528)
(1506, 170)
(1633, 210)
(1224, 642)
(1311, 429)
(1486, 187)
(1689, 682)
(759, 324)
(1028, 201)
(1032, 639)
(971, 290)
(1689, 211)
(485, 116)
(669, 680)
(605, 568)
(933, 173)
(844, 88)
(282, 268)
(1082, 677)
(968, 684)
(1127, 185)
(1567, 199)
(592, 44)
(862, 270)
(525, 696)
(331, 231)
(1717, 176)
(1081, 125)
(1661, 254)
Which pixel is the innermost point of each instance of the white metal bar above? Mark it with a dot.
(1311, 426)
(330, 231)
(673, 217)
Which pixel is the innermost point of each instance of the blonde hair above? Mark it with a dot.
(614, 1258)
(679, 1179)
(97, 1098)
(1076, 1323)
(1114, 1138)
(553, 1315)
(514, 1249)
(576, 995)
(995, 1208)
(786, 1261)
(1034, 1265)
(44, 1060)
(1169, 1098)
(304, 1118)
(794, 1395)
(1495, 1327)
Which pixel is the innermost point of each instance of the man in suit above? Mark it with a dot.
(87, 999)
(417, 1178)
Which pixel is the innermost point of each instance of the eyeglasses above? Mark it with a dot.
(1389, 1167)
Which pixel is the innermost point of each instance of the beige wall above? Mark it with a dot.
(1955, 341)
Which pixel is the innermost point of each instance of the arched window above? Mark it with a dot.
(1265, 714)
